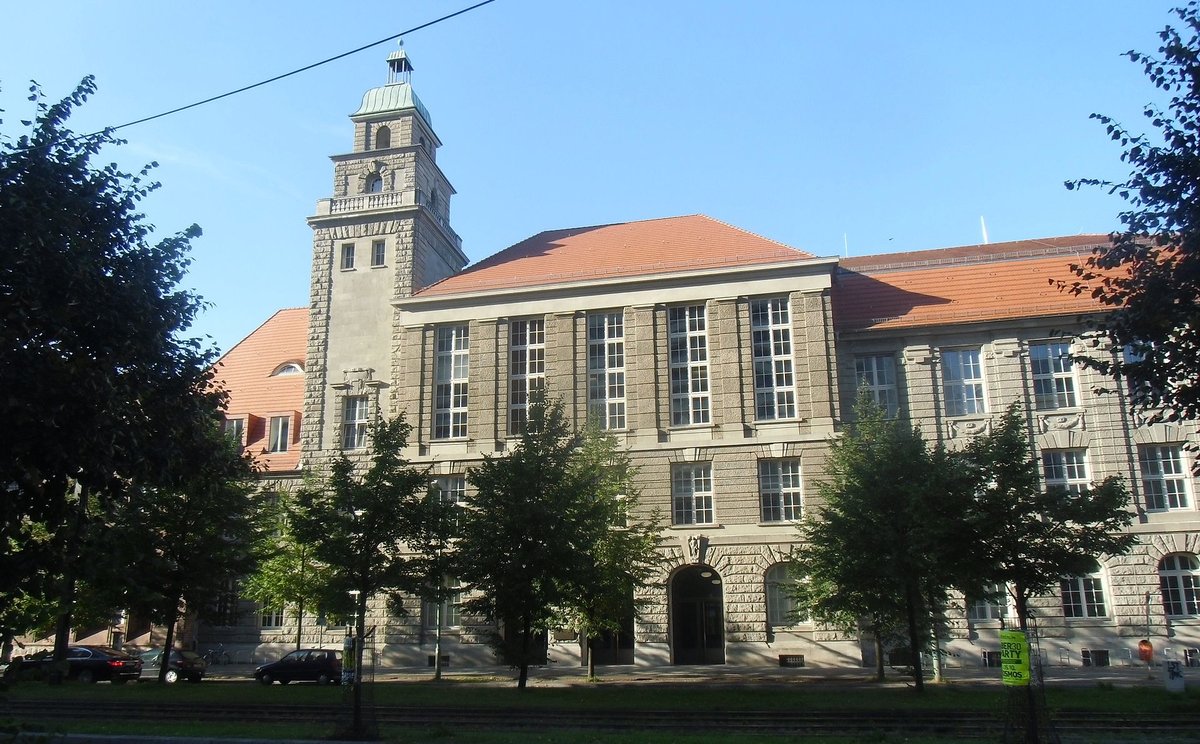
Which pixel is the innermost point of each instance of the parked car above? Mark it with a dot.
(187, 665)
(307, 664)
(86, 664)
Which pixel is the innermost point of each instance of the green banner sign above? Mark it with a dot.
(1014, 658)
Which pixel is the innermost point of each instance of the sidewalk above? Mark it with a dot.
(725, 674)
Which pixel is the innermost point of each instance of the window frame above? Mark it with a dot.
(1162, 480)
(347, 257)
(964, 395)
(607, 402)
(275, 612)
(451, 608)
(992, 608)
(526, 369)
(451, 386)
(777, 498)
(1180, 585)
(1072, 463)
(780, 605)
(378, 253)
(1082, 595)
(687, 361)
(355, 429)
(868, 368)
(772, 356)
(692, 494)
(277, 433)
(1052, 373)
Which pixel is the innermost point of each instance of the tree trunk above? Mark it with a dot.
(360, 632)
(169, 641)
(591, 652)
(523, 676)
(299, 621)
(1029, 702)
(914, 637)
(879, 668)
(437, 645)
(66, 597)
(6, 647)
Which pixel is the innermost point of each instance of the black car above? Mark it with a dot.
(86, 664)
(307, 664)
(186, 665)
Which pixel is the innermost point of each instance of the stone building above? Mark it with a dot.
(724, 362)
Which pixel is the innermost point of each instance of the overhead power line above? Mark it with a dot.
(297, 71)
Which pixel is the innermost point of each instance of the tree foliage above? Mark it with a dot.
(1149, 276)
(102, 387)
(885, 547)
(541, 532)
(1030, 537)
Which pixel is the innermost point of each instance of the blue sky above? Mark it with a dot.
(878, 125)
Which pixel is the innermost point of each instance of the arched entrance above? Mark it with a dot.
(697, 617)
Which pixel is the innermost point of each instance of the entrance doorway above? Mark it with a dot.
(697, 617)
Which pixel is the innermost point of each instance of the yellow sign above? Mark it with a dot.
(1014, 658)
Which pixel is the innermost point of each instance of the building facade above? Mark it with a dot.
(724, 362)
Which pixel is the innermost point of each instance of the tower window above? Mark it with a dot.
(378, 253)
(383, 138)
(374, 183)
(347, 256)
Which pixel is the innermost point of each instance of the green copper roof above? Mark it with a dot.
(392, 97)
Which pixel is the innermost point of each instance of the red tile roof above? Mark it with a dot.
(967, 284)
(621, 250)
(246, 371)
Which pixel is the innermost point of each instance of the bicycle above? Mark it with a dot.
(215, 656)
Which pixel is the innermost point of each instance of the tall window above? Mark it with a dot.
(526, 370)
(606, 369)
(781, 608)
(271, 616)
(374, 183)
(962, 382)
(355, 415)
(235, 429)
(347, 256)
(450, 393)
(1065, 469)
(1053, 375)
(779, 490)
(453, 490)
(771, 339)
(692, 494)
(689, 365)
(1083, 596)
(877, 375)
(1179, 579)
(225, 609)
(451, 607)
(383, 138)
(1164, 477)
(280, 434)
(378, 252)
(992, 606)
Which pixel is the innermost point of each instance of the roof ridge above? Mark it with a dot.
(751, 232)
(983, 253)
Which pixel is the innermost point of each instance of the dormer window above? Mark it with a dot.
(288, 368)
(383, 138)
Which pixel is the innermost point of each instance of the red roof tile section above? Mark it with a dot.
(257, 394)
(968, 284)
(622, 250)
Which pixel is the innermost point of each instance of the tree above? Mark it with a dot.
(431, 528)
(1030, 537)
(99, 377)
(623, 545)
(288, 572)
(881, 549)
(355, 524)
(1149, 276)
(192, 538)
(541, 536)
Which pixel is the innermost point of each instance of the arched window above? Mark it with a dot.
(288, 368)
(383, 138)
(1179, 578)
(780, 605)
(374, 183)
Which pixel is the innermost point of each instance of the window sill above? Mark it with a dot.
(346, 270)
(697, 526)
(780, 523)
(377, 266)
